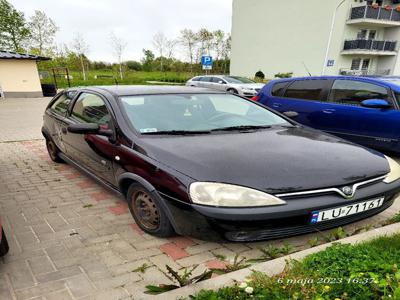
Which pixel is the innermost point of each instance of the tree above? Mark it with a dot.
(147, 61)
(119, 46)
(43, 31)
(160, 43)
(205, 38)
(81, 48)
(13, 28)
(188, 40)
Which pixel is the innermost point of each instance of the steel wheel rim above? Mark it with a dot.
(145, 210)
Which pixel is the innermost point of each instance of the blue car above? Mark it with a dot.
(365, 110)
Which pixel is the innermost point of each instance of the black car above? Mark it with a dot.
(209, 164)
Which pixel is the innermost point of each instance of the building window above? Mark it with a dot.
(365, 64)
(355, 64)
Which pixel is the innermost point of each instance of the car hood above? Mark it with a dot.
(274, 160)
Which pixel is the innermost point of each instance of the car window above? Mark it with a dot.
(196, 79)
(60, 106)
(278, 88)
(308, 90)
(216, 80)
(194, 112)
(205, 79)
(353, 92)
(91, 108)
(238, 80)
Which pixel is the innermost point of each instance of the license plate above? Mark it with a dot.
(344, 211)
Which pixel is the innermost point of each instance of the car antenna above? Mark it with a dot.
(305, 67)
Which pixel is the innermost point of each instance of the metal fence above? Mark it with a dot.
(370, 12)
(373, 45)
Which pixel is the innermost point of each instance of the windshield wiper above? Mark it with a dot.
(242, 127)
(177, 132)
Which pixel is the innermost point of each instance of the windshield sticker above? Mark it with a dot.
(147, 130)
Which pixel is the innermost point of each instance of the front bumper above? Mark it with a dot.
(263, 223)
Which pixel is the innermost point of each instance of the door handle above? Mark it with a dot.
(64, 130)
(328, 111)
(276, 105)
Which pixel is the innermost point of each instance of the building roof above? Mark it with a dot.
(15, 55)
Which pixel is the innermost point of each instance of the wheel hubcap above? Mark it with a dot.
(145, 210)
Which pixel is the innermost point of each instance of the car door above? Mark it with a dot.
(55, 114)
(218, 83)
(205, 82)
(374, 127)
(93, 152)
(306, 97)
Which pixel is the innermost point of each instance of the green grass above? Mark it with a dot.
(364, 271)
(130, 78)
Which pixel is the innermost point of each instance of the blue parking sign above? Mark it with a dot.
(207, 62)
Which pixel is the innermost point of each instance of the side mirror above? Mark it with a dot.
(89, 128)
(291, 114)
(376, 103)
(221, 82)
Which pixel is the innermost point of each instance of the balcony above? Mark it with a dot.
(369, 47)
(366, 15)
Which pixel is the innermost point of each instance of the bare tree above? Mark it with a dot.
(218, 43)
(81, 48)
(206, 40)
(119, 46)
(160, 43)
(170, 47)
(189, 41)
(43, 31)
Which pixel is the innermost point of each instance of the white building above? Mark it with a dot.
(330, 37)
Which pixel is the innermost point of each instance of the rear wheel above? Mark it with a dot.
(53, 151)
(147, 212)
(3, 244)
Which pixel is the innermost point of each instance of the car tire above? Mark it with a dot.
(3, 244)
(148, 212)
(233, 91)
(53, 151)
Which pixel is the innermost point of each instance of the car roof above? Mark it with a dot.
(131, 90)
(392, 81)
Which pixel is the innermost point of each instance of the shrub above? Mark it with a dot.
(260, 75)
(284, 75)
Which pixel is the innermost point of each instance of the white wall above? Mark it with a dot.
(278, 36)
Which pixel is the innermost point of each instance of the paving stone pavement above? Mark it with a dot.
(71, 239)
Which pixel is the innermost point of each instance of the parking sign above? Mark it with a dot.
(207, 62)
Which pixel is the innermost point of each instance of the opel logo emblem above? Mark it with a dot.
(348, 191)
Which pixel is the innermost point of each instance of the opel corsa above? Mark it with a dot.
(209, 164)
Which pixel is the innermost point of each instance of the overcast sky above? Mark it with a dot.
(134, 20)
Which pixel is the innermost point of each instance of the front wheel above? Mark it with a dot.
(147, 212)
(233, 91)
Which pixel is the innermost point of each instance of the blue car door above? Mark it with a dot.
(307, 97)
(373, 127)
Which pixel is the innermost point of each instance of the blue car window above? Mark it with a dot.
(278, 88)
(353, 92)
(308, 89)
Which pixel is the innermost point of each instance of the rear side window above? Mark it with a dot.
(308, 90)
(278, 88)
(354, 92)
(196, 79)
(205, 79)
(60, 106)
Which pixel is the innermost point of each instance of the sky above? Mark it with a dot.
(136, 21)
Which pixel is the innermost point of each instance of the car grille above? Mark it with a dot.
(275, 233)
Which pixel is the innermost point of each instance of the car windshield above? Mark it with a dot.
(238, 80)
(191, 113)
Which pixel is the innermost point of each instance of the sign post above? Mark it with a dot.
(207, 62)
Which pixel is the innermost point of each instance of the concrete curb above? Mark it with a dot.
(272, 267)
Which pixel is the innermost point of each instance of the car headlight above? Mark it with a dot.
(228, 195)
(394, 173)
